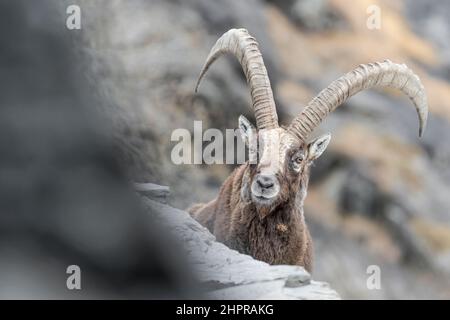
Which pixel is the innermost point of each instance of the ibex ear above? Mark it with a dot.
(248, 131)
(318, 146)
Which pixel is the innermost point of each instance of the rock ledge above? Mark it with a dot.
(226, 273)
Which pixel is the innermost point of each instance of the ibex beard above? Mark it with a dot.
(259, 208)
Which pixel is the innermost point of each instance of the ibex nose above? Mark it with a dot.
(265, 182)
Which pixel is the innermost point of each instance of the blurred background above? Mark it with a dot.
(378, 196)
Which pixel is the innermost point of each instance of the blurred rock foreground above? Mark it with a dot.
(379, 194)
(64, 196)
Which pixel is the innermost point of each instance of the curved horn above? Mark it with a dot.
(379, 74)
(245, 48)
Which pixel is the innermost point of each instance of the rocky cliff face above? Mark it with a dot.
(378, 196)
(225, 273)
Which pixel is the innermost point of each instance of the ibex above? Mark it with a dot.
(259, 209)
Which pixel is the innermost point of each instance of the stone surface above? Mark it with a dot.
(227, 274)
(153, 191)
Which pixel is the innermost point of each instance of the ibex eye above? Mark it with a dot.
(298, 158)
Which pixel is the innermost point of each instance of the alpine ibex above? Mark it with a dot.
(259, 209)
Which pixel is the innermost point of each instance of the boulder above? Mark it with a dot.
(228, 274)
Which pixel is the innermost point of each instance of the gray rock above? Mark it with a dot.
(153, 191)
(228, 274)
(429, 18)
(312, 15)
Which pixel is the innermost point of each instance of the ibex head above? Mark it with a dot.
(282, 165)
(285, 155)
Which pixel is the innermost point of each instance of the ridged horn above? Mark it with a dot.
(365, 76)
(244, 47)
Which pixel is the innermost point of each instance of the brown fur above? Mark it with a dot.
(276, 235)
